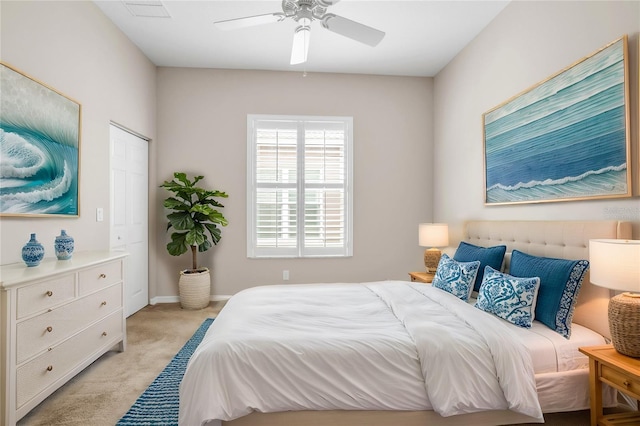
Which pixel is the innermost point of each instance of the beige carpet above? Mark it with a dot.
(102, 393)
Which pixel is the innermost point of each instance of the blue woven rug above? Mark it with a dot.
(159, 403)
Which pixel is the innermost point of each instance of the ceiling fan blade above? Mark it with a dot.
(300, 48)
(249, 21)
(352, 29)
(327, 3)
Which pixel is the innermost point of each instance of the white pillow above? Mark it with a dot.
(456, 277)
(508, 297)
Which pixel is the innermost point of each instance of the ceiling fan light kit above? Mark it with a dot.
(300, 48)
(304, 12)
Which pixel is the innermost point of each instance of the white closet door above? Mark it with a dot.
(130, 213)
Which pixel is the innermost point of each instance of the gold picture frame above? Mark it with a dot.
(40, 146)
(566, 138)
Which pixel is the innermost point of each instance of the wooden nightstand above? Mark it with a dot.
(421, 277)
(606, 365)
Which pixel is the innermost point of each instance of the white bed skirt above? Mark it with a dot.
(557, 392)
(569, 391)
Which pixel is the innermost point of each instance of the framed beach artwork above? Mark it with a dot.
(39, 148)
(566, 138)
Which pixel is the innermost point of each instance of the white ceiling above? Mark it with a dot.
(422, 36)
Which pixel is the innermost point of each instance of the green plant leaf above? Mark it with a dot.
(182, 177)
(214, 231)
(219, 194)
(172, 203)
(181, 221)
(202, 208)
(217, 217)
(196, 236)
(210, 195)
(204, 246)
(177, 246)
(211, 202)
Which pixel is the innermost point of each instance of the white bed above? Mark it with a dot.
(271, 359)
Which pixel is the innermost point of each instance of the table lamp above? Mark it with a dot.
(433, 235)
(615, 264)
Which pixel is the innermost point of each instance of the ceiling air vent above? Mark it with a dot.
(147, 8)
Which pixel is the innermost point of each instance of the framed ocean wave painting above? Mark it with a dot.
(39, 148)
(566, 138)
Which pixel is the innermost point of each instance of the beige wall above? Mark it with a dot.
(202, 118)
(72, 47)
(418, 141)
(525, 44)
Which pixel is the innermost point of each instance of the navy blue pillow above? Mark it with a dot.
(560, 281)
(491, 256)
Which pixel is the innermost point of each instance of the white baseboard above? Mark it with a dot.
(220, 297)
(164, 299)
(176, 299)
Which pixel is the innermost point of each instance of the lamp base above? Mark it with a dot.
(431, 259)
(624, 324)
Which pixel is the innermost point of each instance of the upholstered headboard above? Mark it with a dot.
(560, 239)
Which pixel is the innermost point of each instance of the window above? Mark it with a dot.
(299, 186)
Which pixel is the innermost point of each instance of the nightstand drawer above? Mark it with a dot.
(620, 380)
(421, 277)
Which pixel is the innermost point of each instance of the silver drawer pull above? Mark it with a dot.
(104, 333)
(49, 329)
(49, 293)
(102, 276)
(104, 303)
(49, 368)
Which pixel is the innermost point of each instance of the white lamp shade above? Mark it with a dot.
(433, 234)
(615, 264)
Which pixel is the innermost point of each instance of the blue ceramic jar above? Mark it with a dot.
(64, 246)
(32, 252)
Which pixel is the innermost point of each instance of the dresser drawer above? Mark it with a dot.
(99, 277)
(43, 331)
(43, 295)
(36, 375)
(620, 380)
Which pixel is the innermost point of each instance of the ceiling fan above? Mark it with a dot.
(304, 12)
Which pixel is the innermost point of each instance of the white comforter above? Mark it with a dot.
(375, 346)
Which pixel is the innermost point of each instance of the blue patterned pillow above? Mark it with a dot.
(456, 277)
(491, 256)
(560, 281)
(508, 297)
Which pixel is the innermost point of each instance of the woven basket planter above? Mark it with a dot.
(624, 324)
(195, 289)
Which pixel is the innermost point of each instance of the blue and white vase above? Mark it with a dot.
(32, 252)
(64, 246)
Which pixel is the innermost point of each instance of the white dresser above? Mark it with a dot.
(56, 318)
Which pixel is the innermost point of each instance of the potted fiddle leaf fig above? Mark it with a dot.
(196, 221)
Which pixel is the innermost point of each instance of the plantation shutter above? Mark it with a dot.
(299, 186)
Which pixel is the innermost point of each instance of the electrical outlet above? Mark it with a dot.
(285, 275)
